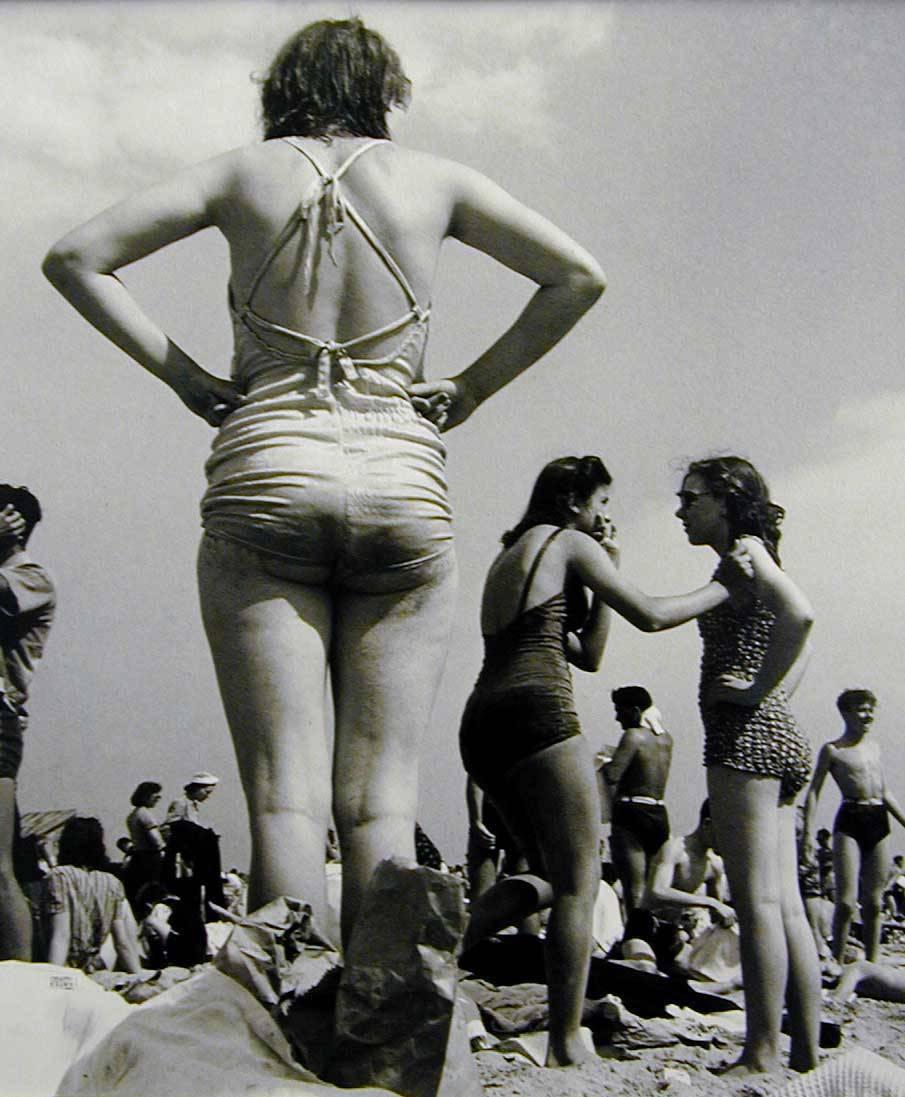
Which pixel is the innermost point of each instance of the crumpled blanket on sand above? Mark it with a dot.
(207, 1036)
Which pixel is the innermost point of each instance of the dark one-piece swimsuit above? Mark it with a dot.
(522, 702)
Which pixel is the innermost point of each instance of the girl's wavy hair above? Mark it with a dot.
(562, 482)
(749, 509)
(333, 77)
(144, 790)
(82, 843)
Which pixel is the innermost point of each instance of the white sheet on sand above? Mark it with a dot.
(856, 1073)
(51, 1015)
(206, 1037)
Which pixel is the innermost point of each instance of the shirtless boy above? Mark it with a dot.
(636, 777)
(861, 827)
(686, 875)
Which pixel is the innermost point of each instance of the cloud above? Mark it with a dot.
(103, 98)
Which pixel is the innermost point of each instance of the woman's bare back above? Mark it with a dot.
(405, 199)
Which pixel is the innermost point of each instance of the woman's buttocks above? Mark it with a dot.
(351, 480)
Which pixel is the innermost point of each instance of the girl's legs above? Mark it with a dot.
(553, 808)
(387, 656)
(746, 825)
(803, 990)
(268, 638)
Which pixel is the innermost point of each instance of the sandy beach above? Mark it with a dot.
(684, 1069)
(687, 1067)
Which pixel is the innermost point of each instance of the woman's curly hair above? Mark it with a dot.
(749, 509)
(335, 77)
(82, 843)
(561, 482)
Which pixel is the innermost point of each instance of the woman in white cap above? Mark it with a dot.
(197, 789)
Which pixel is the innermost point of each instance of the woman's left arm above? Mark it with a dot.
(786, 653)
(60, 938)
(82, 266)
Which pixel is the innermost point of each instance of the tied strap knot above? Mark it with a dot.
(322, 210)
(329, 353)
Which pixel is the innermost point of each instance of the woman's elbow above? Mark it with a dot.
(805, 621)
(62, 264)
(588, 282)
(57, 264)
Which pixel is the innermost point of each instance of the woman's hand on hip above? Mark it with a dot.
(446, 402)
(727, 689)
(211, 398)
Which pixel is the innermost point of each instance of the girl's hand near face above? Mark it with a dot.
(12, 524)
(607, 538)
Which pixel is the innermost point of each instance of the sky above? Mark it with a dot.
(737, 169)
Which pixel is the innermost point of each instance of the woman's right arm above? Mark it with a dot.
(650, 613)
(82, 266)
(125, 938)
(486, 217)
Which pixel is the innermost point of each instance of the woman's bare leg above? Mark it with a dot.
(746, 825)
(268, 638)
(387, 657)
(558, 790)
(803, 990)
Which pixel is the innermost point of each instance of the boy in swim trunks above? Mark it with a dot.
(27, 602)
(637, 777)
(861, 827)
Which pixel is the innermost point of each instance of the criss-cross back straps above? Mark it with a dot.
(324, 208)
(535, 564)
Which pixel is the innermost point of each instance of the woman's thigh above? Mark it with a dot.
(269, 638)
(745, 810)
(387, 655)
(559, 808)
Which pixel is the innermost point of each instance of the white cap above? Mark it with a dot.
(203, 779)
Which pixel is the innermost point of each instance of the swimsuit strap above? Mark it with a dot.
(324, 209)
(309, 209)
(535, 564)
(337, 207)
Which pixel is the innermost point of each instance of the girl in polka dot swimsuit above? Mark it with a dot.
(754, 652)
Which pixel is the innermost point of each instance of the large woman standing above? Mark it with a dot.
(328, 543)
(754, 653)
(520, 737)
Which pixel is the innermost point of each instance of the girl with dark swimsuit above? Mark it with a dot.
(520, 736)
